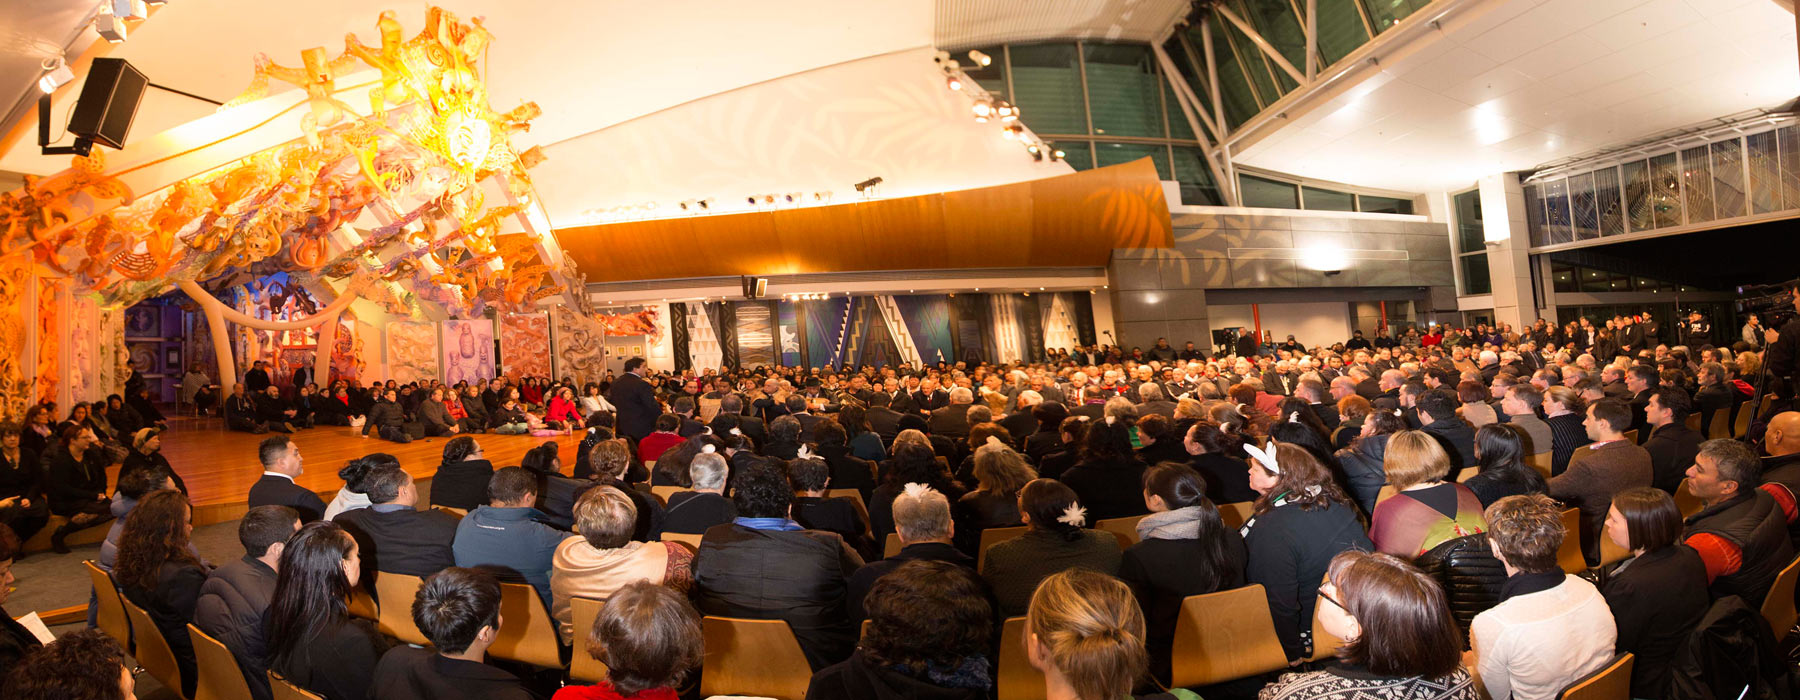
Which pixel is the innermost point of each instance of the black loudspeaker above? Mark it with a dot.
(109, 102)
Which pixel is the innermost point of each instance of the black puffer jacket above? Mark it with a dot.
(1470, 576)
(1363, 474)
(1730, 649)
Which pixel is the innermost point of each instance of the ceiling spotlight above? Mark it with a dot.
(982, 111)
(953, 82)
(867, 185)
(751, 199)
(768, 199)
(1037, 153)
(1057, 154)
(56, 74)
(981, 59)
(130, 9)
(705, 203)
(110, 27)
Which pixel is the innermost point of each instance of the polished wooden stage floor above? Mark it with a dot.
(219, 465)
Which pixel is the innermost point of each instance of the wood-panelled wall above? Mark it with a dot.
(1069, 221)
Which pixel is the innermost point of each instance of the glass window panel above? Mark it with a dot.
(1728, 178)
(1607, 201)
(1534, 214)
(993, 77)
(1384, 205)
(1595, 281)
(1196, 79)
(1386, 13)
(1115, 153)
(1178, 123)
(1789, 137)
(1122, 90)
(1263, 192)
(1475, 274)
(1276, 22)
(1329, 200)
(1197, 186)
(1765, 173)
(1696, 183)
(1469, 238)
(1665, 193)
(1234, 88)
(1078, 154)
(1284, 83)
(1047, 83)
(1261, 74)
(1556, 211)
(1341, 29)
(1563, 278)
(1640, 213)
(1584, 219)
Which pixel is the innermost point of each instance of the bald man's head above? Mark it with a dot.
(1783, 435)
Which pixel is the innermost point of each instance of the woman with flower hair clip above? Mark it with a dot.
(1057, 539)
(1301, 520)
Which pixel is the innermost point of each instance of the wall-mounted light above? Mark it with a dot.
(56, 74)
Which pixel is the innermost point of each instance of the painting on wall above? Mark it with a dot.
(579, 346)
(468, 351)
(144, 355)
(84, 352)
(144, 321)
(525, 345)
(347, 361)
(412, 351)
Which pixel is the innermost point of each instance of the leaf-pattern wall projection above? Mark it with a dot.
(412, 351)
(525, 345)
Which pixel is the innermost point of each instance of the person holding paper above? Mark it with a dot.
(15, 639)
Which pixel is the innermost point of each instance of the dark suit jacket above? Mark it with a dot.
(1657, 599)
(637, 406)
(807, 421)
(1161, 408)
(951, 421)
(409, 672)
(1672, 448)
(462, 485)
(1020, 425)
(885, 422)
(402, 541)
(273, 490)
(1328, 415)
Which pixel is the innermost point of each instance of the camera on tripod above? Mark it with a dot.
(1773, 303)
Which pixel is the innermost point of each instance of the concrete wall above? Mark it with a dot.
(1163, 292)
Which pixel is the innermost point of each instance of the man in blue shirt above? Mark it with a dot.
(505, 536)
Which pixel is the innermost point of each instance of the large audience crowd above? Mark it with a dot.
(1405, 501)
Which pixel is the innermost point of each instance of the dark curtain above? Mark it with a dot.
(678, 335)
(724, 322)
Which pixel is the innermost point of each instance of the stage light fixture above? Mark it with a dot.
(156, 2)
(981, 59)
(982, 111)
(1057, 154)
(56, 74)
(110, 27)
(130, 9)
(953, 83)
(866, 185)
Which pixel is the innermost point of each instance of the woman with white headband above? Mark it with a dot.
(1301, 520)
(1057, 539)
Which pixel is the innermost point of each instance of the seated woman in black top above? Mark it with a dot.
(75, 482)
(22, 506)
(1062, 456)
(156, 572)
(1499, 453)
(1301, 520)
(1213, 453)
(1159, 440)
(462, 478)
(1108, 477)
(928, 636)
(980, 434)
(313, 641)
(810, 477)
(911, 463)
(1184, 549)
(1658, 595)
(556, 493)
(1000, 473)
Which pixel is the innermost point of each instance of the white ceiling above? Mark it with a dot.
(963, 24)
(1536, 80)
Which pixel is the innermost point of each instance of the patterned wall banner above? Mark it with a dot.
(50, 325)
(525, 345)
(928, 320)
(84, 352)
(349, 360)
(790, 335)
(412, 351)
(827, 326)
(755, 335)
(579, 346)
(110, 372)
(468, 351)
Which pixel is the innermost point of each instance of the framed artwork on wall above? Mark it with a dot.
(172, 360)
(637, 351)
(143, 321)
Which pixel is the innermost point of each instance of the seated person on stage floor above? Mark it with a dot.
(387, 419)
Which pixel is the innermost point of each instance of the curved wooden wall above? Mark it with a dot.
(1068, 221)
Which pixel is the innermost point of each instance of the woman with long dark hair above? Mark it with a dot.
(157, 571)
(863, 442)
(1107, 477)
(1499, 452)
(1213, 453)
(1300, 522)
(314, 643)
(1057, 539)
(911, 463)
(1184, 549)
(22, 504)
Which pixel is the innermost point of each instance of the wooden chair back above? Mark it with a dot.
(1466, 474)
(1543, 462)
(528, 635)
(111, 614)
(583, 666)
(1235, 515)
(1692, 421)
(1612, 682)
(684, 538)
(662, 493)
(993, 536)
(1686, 501)
(855, 496)
(396, 592)
(1778, 607)
(1124, 528)
(1745, 414)
(1569, 556)
(1631, 436)
(284, 690)
(363, 605)
(220, 676)
(1225, 636)
(153, 651)
(1387, 491)
(458, 512)
(892, 546)
(1720, 426)
(1016, 679)
(752, 657)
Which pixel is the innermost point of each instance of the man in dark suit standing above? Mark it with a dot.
(281, 463)
(635, 400)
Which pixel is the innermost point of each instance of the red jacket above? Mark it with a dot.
(604, 691)
(654, 444)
